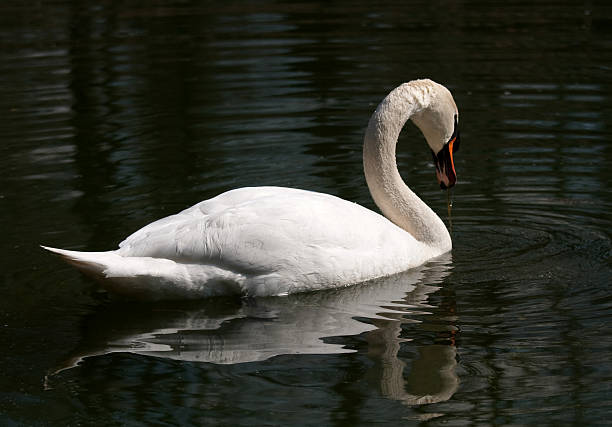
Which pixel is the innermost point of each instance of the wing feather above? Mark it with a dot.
(265, 229)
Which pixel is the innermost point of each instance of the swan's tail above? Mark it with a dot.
(91, 263)
(125, 276)
(152, 278)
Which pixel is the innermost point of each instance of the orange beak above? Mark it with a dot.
(445, 165)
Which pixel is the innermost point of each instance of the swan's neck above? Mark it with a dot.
(396, 201)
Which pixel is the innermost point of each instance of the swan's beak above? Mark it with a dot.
(445, 166)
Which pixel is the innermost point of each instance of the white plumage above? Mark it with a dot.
(260, 241)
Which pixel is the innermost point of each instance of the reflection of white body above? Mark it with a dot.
(261, 328)
(272, 241)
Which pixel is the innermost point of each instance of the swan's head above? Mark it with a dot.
(438, 119)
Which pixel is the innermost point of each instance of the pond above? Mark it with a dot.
(115, 114)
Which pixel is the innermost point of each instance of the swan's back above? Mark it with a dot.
(273, 240)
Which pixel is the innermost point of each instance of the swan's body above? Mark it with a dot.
(273, 240)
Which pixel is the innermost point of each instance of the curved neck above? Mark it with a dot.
(396, 201)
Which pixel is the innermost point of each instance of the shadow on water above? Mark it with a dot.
(233, 331)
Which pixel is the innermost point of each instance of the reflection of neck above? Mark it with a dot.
(432, 376)
(397, 202)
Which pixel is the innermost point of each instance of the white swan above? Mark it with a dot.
(261, 241)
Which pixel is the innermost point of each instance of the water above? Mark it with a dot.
(114, 115)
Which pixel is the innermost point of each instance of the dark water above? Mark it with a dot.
(114, 114)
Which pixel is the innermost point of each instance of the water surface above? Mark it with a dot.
(114, 115)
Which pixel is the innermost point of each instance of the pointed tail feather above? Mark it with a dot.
(105, 267)
(92, 263)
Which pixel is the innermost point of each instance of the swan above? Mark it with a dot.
(269, 241)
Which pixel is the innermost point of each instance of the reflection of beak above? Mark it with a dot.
(445, 168)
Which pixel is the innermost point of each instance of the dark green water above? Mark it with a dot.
(114, 114)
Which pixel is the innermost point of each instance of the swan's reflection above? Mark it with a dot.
(229, 331)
